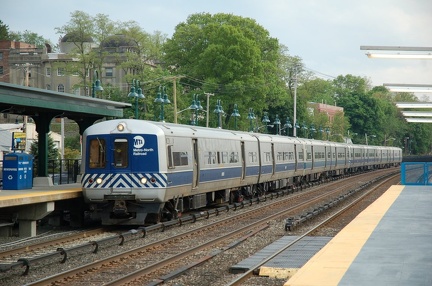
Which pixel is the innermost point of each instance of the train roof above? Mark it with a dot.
(164, 128)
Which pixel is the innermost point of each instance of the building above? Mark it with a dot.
(6, 47)
(330, 110)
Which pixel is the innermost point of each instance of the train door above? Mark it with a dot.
(273, 159)
(295, 157)
(243, 160)
(121, 164)
(195, 174)
(312, 157)
(325, 157)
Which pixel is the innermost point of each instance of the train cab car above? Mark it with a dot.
(122, 163)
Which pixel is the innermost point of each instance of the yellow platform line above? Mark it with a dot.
(327, 267)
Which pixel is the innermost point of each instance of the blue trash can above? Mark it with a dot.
(17, 171)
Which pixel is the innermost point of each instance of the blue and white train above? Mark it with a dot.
(136, 172)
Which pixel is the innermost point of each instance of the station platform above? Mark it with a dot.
(9, 198)
(30, 205)
(389, 243)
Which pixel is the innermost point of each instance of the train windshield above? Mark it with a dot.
(120, 153)
(97, 153)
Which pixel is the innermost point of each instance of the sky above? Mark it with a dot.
(325, 34)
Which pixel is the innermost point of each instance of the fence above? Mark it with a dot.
(63, 171)
(416, 173)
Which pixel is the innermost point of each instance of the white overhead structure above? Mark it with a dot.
(403, 87)
(415, 116)
(397, 52)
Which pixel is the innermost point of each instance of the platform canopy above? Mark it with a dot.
(44, 105)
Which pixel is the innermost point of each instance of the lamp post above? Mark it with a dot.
(277, 123)
(366, 136)
(327, 130)
(162, 98)
(219, 111)
(96, 84)
(296, 126)
(235, 114)
(193, 107)
(388, 139)
(304, 129)
(266, 121)
(251, 117)
(136, 92)
(287, 126)
(312, 131)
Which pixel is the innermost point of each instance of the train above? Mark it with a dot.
(137, 172)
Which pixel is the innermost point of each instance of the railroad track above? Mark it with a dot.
(154, 261)
(242, 279)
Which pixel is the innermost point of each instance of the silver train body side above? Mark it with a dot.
(137, 172)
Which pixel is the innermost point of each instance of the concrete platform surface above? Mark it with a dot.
(389, 243)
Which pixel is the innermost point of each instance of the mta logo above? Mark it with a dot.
(138, 142)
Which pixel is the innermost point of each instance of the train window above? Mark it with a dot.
(234, 157)
(253, 157)
(291, 156)
(300, 155)
(170, 157)
(97, 153)
(210, 158)
(120, 153)
(180, 158)
(224, 157)
(286, 156)
(267, 156)
(279, 156)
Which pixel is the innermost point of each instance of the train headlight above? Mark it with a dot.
(143, 180)
(121, 126)
(99, 181)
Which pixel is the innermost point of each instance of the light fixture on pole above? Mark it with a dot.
(287, 126)
(136, 92)
(266, 121)
(96, 84)
(366, 136)
(251, 117)
(277, 123)
(162, 98)
(235, 114)
(304, 129)
(219, 111)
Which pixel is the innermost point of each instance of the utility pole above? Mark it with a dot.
(208, 107)
(174, 78)
(295, 102)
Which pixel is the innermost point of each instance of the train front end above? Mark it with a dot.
(121, 177)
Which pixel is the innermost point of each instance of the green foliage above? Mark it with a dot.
(72, 153)
(230, 56)
(4, 31)
(53, 153)
(30, 38)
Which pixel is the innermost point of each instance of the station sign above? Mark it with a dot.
(19, 141)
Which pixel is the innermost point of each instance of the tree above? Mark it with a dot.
(349, 84)
(30, 38)
(227, 55)
(53, 152)
(4, 31)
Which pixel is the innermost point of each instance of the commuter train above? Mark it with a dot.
(137, 172)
